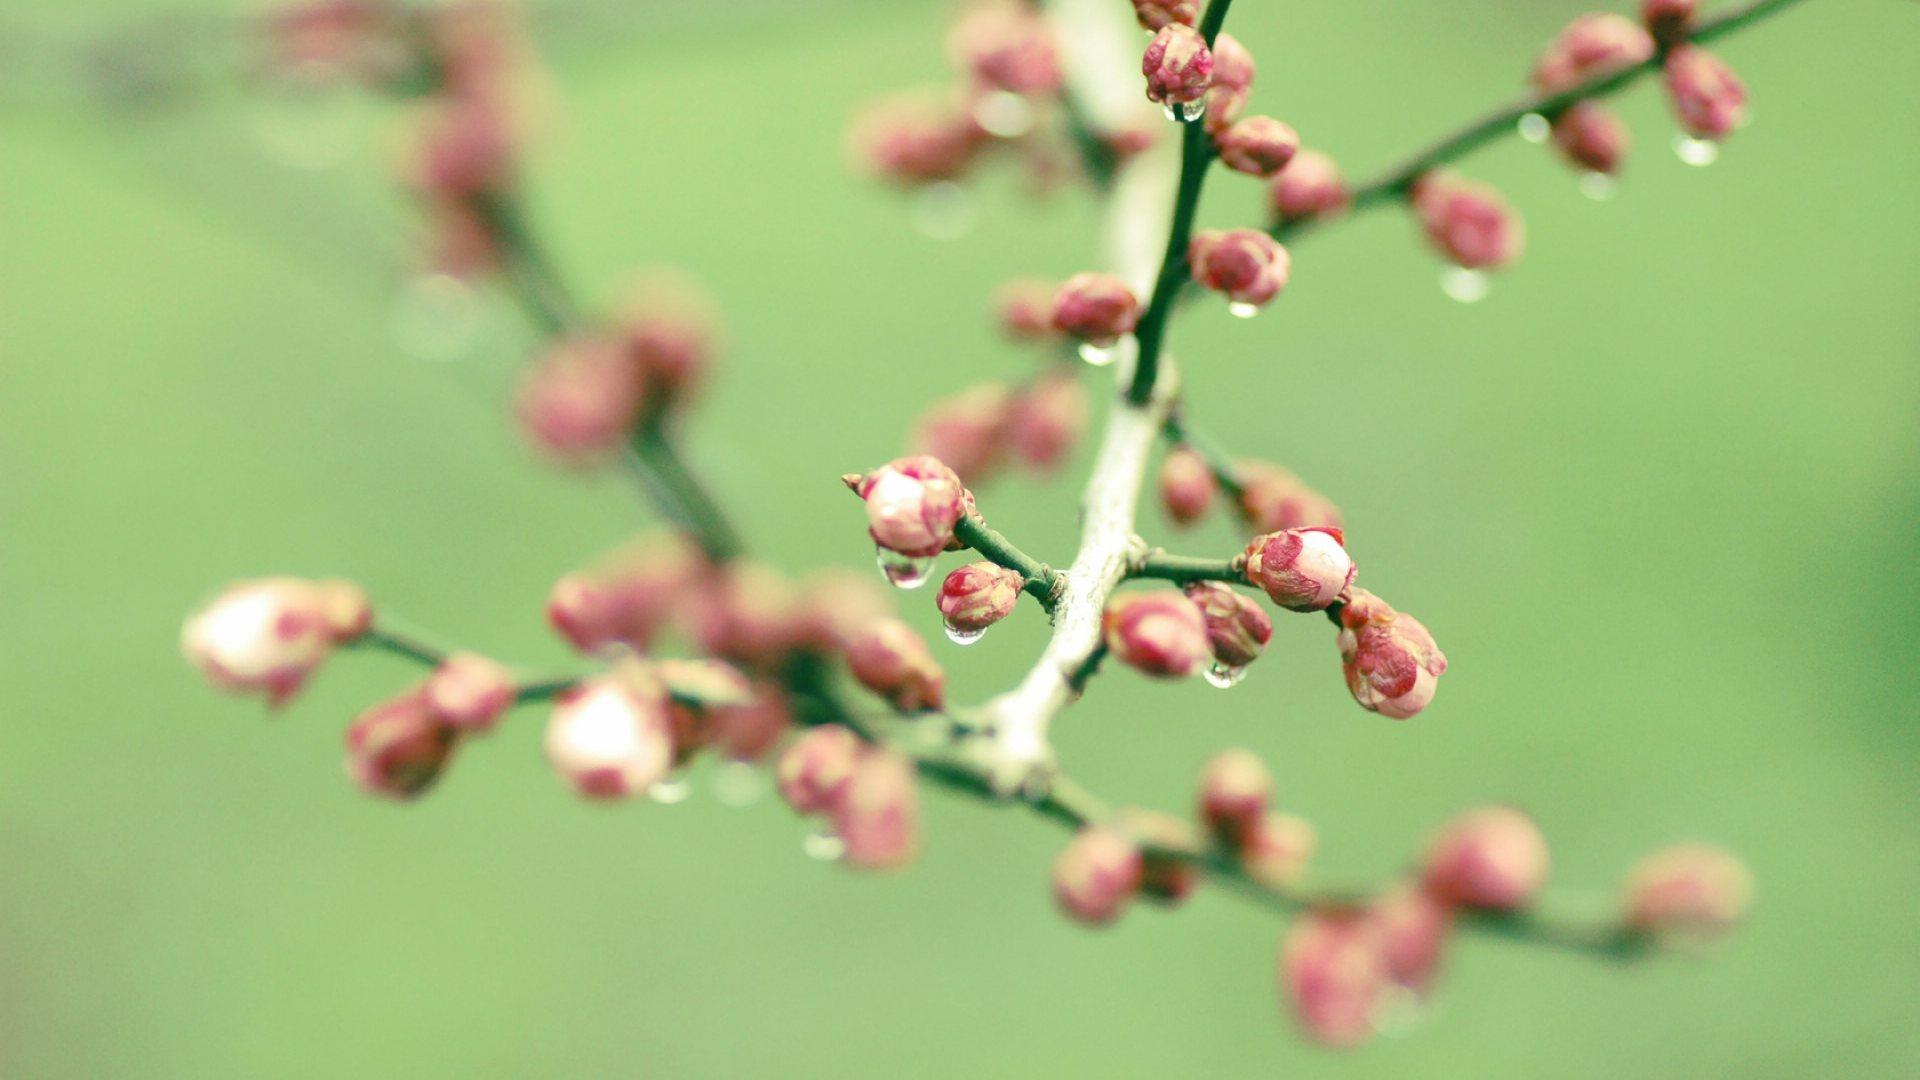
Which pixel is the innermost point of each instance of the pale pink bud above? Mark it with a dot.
(1096, 875)
(1164, 876)
(748, 613)
(1237, 630)
(608, 738)
(748, 731)
(878, 816)
(1233, 71)
(398, 748)
(1257, 146)
(1154, 14)
(1391, 662)
(1492, 858)
(1310, 186)
(1247, 265)
(470, 691)
(1591, 137)
(1595, 44)
(461, 149)
(667, 330)
(323, 39)
(1271, 498)
(1413, 928)
(1278, 849)
(1235, 788)
(626, 595)
(1187, 485)
(696, 691)
(978, 595)
(1159, 633)
(1688, 889)
(1668, 20)
(1024, 309)
(914, 139)
(459, 242)
(1095, 308)
(834, 604)
(1178, 65)
(580, 400)
(912, 504)
(1007, 48)
(1467, 222)
(814, 769)
(890, 659)
(1047, 419)
(268, 636)
(1301, 569)
(966, 430)
(1333, 968)
(1708, 97)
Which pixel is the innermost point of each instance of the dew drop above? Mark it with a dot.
(738, 784)
(672, 790)
(1240, 309)
(823, 845)
(1170, 111)
(1464, 285)
(942, 211)
(1226, 676)
(1099, 355)
(1193, 110)
(903, 571)
(964, 637)
(1534, 128)
(1698, 153)
(1598, 186)
(1005, 115)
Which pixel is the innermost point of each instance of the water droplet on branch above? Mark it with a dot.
(1099, 355)
(1466, 286)
(903, 571)
(1193, 110)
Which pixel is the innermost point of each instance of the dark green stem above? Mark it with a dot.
(1224, 469)
(1184, 568)
(681, 495)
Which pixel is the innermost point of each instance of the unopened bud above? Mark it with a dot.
(1278, 849)
(1159, 633)
(1006, 47)
(667, 330)
(1178, 65)
(1591, 137)
(1235, 788)
(626, 595)
(398, 748)
(1596, 44)
(834, 604)
(1257, 146)
(1707, 96)
(1271, 498)
(1096, 875)
(579, 401)
(461, 149)
(1047, 419)
(1413, 928)
(966, 431)
(912, 504)
(890, 659)
(878, 816)
(1300, 569)
(1310, 186)
(1247, 265)
(1391, 662)
(608, 738)
(1154, 14)
(748, 614)
(1237, 630)
(1688, 890)
(269, 636)
(978, 595)
(1024, 309)
(913, 139)
(1187, 485)
(1232, 85)
(1492, 858)
(1467, 222)
(470, 691)
(1334, 970)
(1095, 308)
(814, 769)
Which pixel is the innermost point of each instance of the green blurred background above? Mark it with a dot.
(1656, 495)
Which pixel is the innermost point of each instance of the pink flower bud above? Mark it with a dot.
(1155, 14)
(1590, 46)
(1257, 146)
(878, 816)
(1247, 265)
(667, 331)
(695, 693)
(748, 614)
(268, 636)
(459, 243)
(888, 658)
(1187, 485)
(1333, 967)
(1158, 633)
(1164, 877)
(834, 604)
(1047, 419)
(1128, 143)
(1492, 858)
(749, 731)
(1178, 65)
(1688, 889)
(1276, 852)
(1095, 308)
(1235, 788)
(1391, 662)
(1237, 630)
(966, 431)
(327, 39)
(1668, 20)
(1233, 71)
(470, 691)
(1096, 875)
(578, 402)
(913, 139)
(814, 769)
(1467, 222)
(1271, 498)
(1413, 929)
(1310, 186)
(1591, 137)
(1301, 569)
(608, 738)
(912, 504)
(626, 596)
(398, 748)
(1024, 309)
(461, 149)
(978, 595)
(1005, 47)
(1708, 97)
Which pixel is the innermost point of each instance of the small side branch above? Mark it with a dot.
(1042, 581)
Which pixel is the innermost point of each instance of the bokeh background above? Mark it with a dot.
(1656, 495)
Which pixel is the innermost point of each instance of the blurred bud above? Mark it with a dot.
(878, 816)
(978, 595)
(1095, 308)
(912, 504)
(1247, 265)
(1024, 309)
(1178, 65)
(890, 659)
(1467, 222)
(1155, 14)
(1391, 662)
(268, 636)
(1187, 485)
(1333, 968)
(1257, 146)
(1668, 20)
(1591, 137)
(1163, 876)
(626, 596)
(1309, 186)
(1047, 419)
(814, 769)
(748, 614)
(1271, 498)
(1096, 875)
(1413, 930)
(1278, 849)
(579, 401)
(322, 40)
(1235, 788)
(914, 139)
(695, 692)
(1159, 633)
(608, 738)
(1595, 44)
(1707, 96)
(748, 731)
(1300, 569)
(834, 604)
(966, 430)
(667, 331)
(1006, 47)
(398, 748)
(1692, 890)
(1237, 630)
(1232, 85)
(1492, 858)
(470, 692)
(461, 149)
(459, 242)
(1128, 143)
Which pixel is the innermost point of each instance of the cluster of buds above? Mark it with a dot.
(867, 793)
(398, 748)
(980, 429)
(268, 637)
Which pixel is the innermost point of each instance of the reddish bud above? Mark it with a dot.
(878, 815)
(1688, 889)
(1247, 265)
(461, 149)
(398, 748)
(1163, 877)
(1707, 96)
(268, 636)
(578, 402)
(1187, 485)
(1276, 852)
(966, 431)
(1271, 498)
(1024, 309)
(1095, 308)
(667, 331)
(914, 139)
(608, 738)
(1235, 788)
(1492, 858)
(834, 604)
(1596, 44)
(1391, 662)
(1467, 222)
(749, 730)
(1668, 20)
(1047, 419)
(470, 691)
(1233, 71)
(1591, 137)
(912, 504)
(695, 692)
(1155, 14)
(1413, 930)
(814, 769)
(1309, 186)
(1005, 47)
(459, 242)
(978, 595)
(626, 595)
(1257, 146)
(1300, 569)
(748, 614)
(1237, 630)
(1178, 65)
(1096, 875)
(1333, 968)
(1158, 633)
(890, 659)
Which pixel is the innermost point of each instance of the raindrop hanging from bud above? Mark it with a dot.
(1598, 186)
(1534, 128)
(1226, 676)
(903, 571)
(1099, 355)
(1193, 110)
(965, 637)
(1171, 111)
(824, 845)
(942, 212)
(1242, 310)
(1698, 153)
(673, 789)
(1466, 286)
